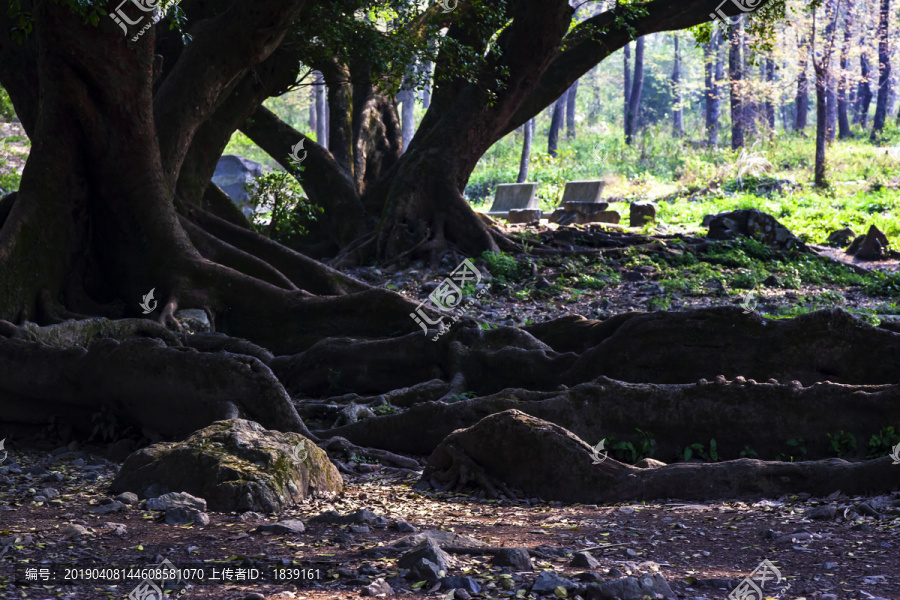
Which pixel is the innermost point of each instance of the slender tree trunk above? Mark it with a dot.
(714, 73)
(735, 71)
(427, 67)
(831, 79)
(678, 109)
(844, 89)
(570, 111)
(528, 135)
(884, 69)
(408, 114)
(626, 53)
(864, 91)
(802, 87)
(770, 92)
(321, 112)
(556, 123)
(634, 101)
(312, 109)
(821, 126)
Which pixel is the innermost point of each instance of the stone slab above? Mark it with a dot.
(524, 215)
(511, 196)
(583, 191)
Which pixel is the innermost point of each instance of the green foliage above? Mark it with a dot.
(748, 452)
(632, 452)
(385, 409)
(700, 450)
(287, 213)
(7, 112)
(798, 447)
(883, 442)
(842, 442)
(504, 267)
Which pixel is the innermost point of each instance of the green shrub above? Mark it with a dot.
(287, 214)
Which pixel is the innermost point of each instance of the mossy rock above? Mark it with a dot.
(236, 465)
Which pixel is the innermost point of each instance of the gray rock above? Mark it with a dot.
(841, 238)
(641, 213)
(631, 588)
(127, 498)
(404, 527)
(360, 529)
(175, 499)
(254, 596)
(119, 451)
(548, 581)
(460, 582)
(182, 515)
(363, 516)
(378, 588)
(49, 493)
(426, 570)
(752, 223)
(826, 512)
(78, 462)
(872, 246)
(72, 530)
(236, 465)
(194, 320)
(524, 215)
(516, 559)
(105, 509)
(286, 526)
(441, 538)
(584, 560)
(461, 594)
(428, 552)
(232, 172)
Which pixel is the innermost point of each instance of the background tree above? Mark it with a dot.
(632, 113)
(677, 108)
(884, 69)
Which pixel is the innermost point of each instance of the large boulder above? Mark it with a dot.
(232, 172)
(872, 246)
(752, 223)
(236, 465)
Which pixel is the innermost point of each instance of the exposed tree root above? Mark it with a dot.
(348, 449)
(736, 414)
(140, 381)
(549, 462)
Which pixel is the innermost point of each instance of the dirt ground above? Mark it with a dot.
(702, 550)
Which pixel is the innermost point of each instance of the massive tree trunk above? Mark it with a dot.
(632, 116)
(735, 70)
(678, 108)
(884, 69)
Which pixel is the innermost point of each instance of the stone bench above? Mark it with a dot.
(513, 196)
(583, 192)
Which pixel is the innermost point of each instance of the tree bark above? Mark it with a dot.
(735, 70)
(321, 112)
(770, 92)
(845, 85)
(864, 93)
(407, 98)
(527, 136)
(626, 63)
(632, 118)
(678, 108)
(570, 111)
(802, 100)
(556, 124)
(714, 73)
(884, 69)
